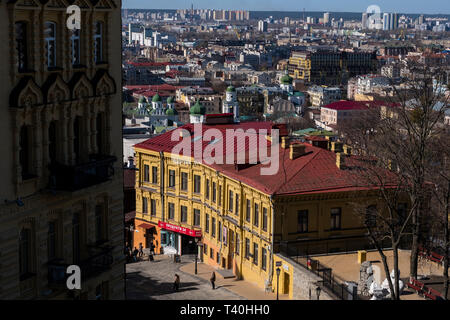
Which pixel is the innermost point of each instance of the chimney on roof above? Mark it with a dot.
(284, 142)
(340, 160)
(347, 149)
(336, 146)
(130, 162)
(296, 150)
(184, 133)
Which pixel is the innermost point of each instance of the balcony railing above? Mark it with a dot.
(91, 267)
(98, 169)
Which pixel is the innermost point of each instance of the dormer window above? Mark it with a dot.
(50, 43)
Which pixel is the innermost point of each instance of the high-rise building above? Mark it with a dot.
(330, 67)
(326, 18)
(287, 21)
(61, 169)
(421, 19)
(364, 20)
(386, 21)
(262, 26)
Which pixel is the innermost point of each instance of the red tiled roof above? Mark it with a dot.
(346, 105)
(153, 64)
(313, 172)
(158, 87)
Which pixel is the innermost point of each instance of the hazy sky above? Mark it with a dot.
(403, 6)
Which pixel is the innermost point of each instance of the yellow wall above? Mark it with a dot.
(286, 208)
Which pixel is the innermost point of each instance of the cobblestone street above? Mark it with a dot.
(153, 280)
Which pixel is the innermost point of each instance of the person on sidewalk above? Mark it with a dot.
(176, 283)
(141, 250)
(213, 280)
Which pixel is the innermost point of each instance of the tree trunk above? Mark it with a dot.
(386, 270)
(397, 280)
(414, 259)
(447, 243)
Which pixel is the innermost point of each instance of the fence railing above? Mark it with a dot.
(329, 282)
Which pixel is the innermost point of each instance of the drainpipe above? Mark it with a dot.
(272, 241)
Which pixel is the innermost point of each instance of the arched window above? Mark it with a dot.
(50, 43)
(100, 132)
(98, 42)
(21, 45)
(25, 152)
(76, 237)
(76, 44)
(25, 252)
(52, 142)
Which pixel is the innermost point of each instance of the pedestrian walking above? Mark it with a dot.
(213, 280)
(135, 253)
(141, 250)
(176, 283)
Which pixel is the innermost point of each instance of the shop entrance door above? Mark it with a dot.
(188, 245)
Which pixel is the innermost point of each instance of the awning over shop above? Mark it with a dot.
(146, 226)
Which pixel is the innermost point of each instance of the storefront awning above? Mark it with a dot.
(146, 225)
(178, 229)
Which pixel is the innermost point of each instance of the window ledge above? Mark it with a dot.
(26, 72)
(79, 67)
(54, 69)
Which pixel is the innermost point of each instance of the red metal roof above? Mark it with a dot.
(345, 105)
(313, 172)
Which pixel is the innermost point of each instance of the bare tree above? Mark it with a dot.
(399, 133)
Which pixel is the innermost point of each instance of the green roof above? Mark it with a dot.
(286, 79)
(142, 99)
(170, 100)
(197, 109)
(156, 98)
(298, 94)
(171, 112)
(231, 89)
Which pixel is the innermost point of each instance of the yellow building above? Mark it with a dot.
(62, 187)
(238, 217)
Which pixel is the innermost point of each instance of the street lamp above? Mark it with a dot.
(318, 292)
(196, 254)
(278, 279)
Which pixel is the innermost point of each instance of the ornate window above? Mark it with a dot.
(98, 42)
(25, 153)
(77, 139)
(50, 43)
(25, 252)
(52, 142)
(100, 132)
(21, 45)
(76, 43)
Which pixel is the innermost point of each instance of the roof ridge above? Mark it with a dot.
(300, 169)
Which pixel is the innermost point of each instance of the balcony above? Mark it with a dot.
(98, 169)
(93, 266)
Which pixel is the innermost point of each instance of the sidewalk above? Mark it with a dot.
(243, 288)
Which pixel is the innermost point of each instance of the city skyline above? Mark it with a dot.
(430, 7)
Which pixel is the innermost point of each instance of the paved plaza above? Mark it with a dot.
(153, 280)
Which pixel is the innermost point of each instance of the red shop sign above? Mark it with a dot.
(178, 229)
